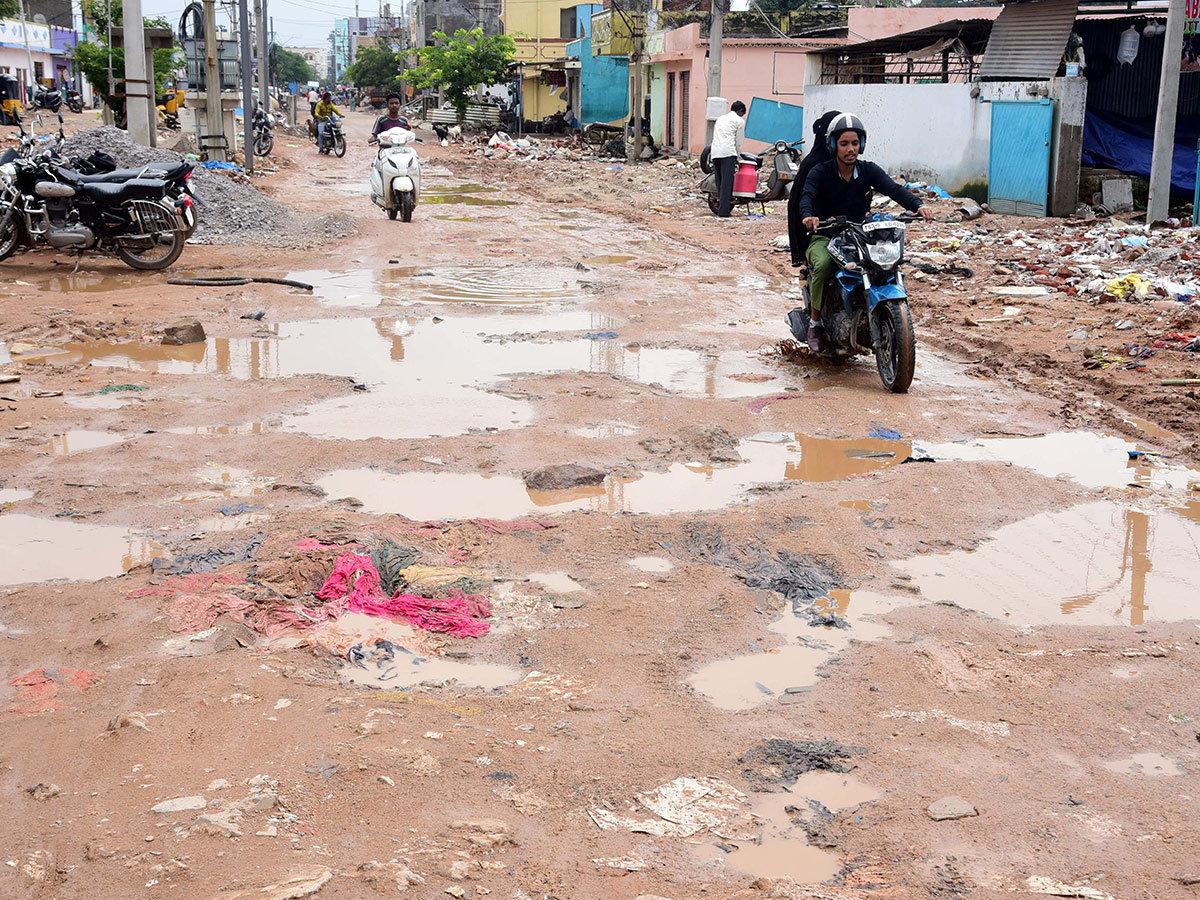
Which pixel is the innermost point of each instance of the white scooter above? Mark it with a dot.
(396, 174)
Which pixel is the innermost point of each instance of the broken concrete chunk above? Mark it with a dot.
(564, 477)
(302, 882)
(484, 832)
(950, 808)
(42, 791)
(221, 824)
(180, 804)
(184, 331)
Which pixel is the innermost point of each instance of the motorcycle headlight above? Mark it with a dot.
(8, 171)
(885, 255)
(271, 120)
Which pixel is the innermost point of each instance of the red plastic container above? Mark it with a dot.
(745, 182)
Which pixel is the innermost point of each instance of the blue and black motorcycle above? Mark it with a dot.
(872, 315)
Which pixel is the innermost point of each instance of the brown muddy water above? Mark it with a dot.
(64, 550)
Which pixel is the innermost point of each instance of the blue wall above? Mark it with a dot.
(603, 85)
(769, 121)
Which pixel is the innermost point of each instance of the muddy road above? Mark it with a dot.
(643, 606)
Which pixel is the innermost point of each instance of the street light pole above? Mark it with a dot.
(716, 35)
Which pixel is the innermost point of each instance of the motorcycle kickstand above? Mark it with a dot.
(78, 260)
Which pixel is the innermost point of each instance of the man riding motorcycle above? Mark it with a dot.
(321, 116)
(393, 119)
(842, 187)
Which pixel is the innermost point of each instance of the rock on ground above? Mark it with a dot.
(564, 477)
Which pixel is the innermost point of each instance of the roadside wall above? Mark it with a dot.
(604, 86)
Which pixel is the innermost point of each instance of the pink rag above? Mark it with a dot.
(356, 583)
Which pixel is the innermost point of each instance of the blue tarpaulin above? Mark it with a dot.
(1115, 142)
(770, 121)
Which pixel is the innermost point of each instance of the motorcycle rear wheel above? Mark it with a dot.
(896, 353)
(165, 250)
(339, 146)
(714, 204)
(10, 233)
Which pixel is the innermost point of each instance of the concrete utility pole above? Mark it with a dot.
(29, 80)
(214, 121)
(716, 34)
(264, 65)
(635, 60)
(247, 87)
(1164, 122)
(138, 92)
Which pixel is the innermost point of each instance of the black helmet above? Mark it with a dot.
(51, 100)
(846, 122)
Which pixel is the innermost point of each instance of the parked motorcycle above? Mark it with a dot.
(45, 203)
(264, 137)
(73, 99)
(396, 174)
(335, 138)
(746, 187)
(176, 175)
(866, 305)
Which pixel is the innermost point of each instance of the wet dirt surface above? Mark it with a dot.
(987, 588)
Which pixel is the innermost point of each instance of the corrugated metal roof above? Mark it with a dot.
(972, 32)
(1028, 40)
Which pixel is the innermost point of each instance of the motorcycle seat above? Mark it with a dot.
(750, 158)
(165, 170)
(114, 192)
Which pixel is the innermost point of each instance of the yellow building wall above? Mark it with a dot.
(538, 102)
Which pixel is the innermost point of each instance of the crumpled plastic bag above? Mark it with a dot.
(1129, 284)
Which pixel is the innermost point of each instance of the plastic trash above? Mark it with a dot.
(1127, 49)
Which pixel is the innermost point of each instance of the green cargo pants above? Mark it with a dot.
(820, 271)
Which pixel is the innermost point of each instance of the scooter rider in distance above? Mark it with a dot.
(393, 119)
(842, 187)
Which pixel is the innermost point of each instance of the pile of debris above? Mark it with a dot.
(231, 210)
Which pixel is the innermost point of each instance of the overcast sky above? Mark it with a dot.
(298, 23)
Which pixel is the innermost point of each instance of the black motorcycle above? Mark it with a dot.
(45, 203)
(264, 137)
(335, 138)
(72, 98)
(100, 166)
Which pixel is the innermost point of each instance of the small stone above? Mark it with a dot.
(218, 784)
(258, 802)
(269, 831)
(484, 832)
(221, 824)
(180, 804)
(951, 808)
(184, 331)
(42, 791)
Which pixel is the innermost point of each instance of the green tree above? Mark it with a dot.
(460, 64)
(91, 57)
(291, 66)
(375, 67)
(10, 9)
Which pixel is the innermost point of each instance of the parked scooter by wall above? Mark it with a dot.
(396, 174)
(785, 162)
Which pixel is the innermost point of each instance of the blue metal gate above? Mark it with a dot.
(1019, 157)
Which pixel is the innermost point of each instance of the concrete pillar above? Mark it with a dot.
(137, 91)
(152, 106)
(1066, 149)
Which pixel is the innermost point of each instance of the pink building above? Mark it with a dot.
(768, 68)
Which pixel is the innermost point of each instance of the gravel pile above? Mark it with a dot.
(230, 212)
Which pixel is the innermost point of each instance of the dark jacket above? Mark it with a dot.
(827, 194)
(797, 234)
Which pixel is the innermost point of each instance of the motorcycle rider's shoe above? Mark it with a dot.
(816, 337)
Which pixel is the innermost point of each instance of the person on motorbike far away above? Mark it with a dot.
(797, 234)
(842, 187)
(321, 116)
(393, 119)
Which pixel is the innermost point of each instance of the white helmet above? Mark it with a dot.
(846, 122)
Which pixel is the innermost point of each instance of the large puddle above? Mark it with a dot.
(62, 550)
(471, 283)
(1092, 460)
(682, 488)
(430, 377)
(1095, 564)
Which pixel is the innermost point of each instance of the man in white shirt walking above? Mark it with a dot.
(728, 132)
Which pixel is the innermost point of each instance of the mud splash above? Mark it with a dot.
(682, 488)
(58, 550)
(1096, 564)
(1153, 764)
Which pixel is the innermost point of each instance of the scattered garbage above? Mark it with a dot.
(686, 806)
(39, 690)
(778, 762)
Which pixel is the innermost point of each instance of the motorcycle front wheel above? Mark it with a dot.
(263, 144)
(339, 146)
(151, 254)
(896, 352)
